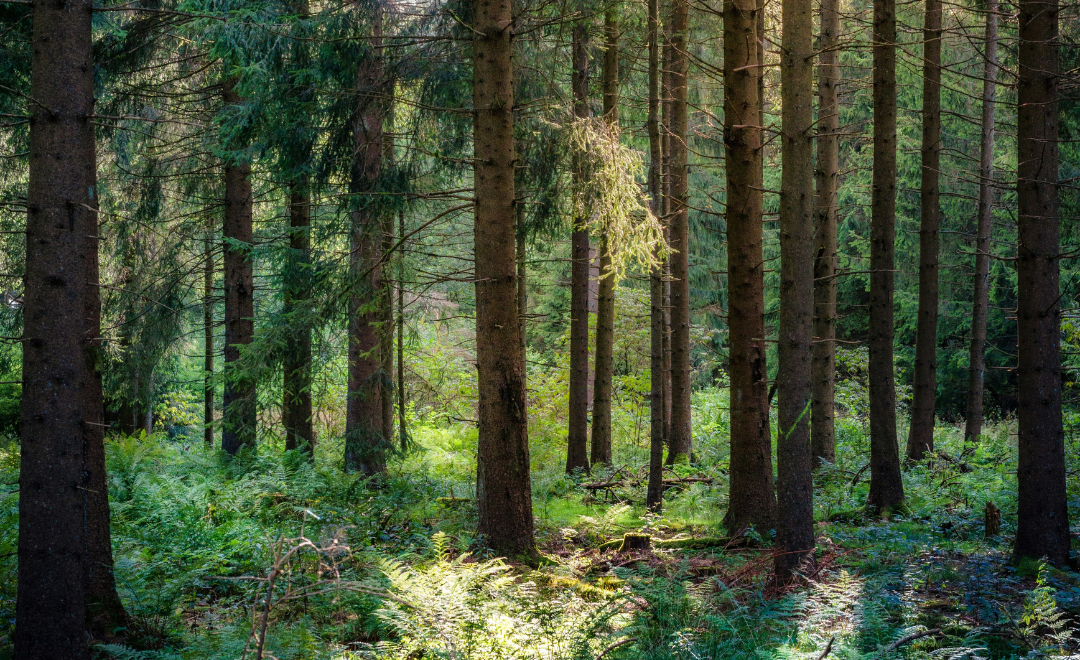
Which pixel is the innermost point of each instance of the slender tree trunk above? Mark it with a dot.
(665, 206)
(681, 433)
(577, 442)
(886, 488)
(611, 66)
(365, 445)
(386, 299)
(503, 487)
(238, 422)
(654, 497)
(208, 338)
(823, 408)
(146, 423)
(794, 485)
(981, 295)
(921, 435)
(403, 431)
(1042, 511)
(752, 500)
(63, 564)
(605, 299)
(296, 409)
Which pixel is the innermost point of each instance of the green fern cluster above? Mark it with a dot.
(462, 609)
(1043, 625)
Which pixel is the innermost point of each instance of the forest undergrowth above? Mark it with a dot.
(391, 568)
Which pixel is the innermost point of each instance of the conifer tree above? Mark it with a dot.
(794, 483)
(577, 440)
(605, 299)
(65, 580)
(752, 498)
(823, 408)
(973, 419)
(681, 441)
(296, 408)
(921, 435)
(208, 337)
(365, 445)
(1042, 509)
(238, 423)
(886, 489)
(657, 413)
(503, 483)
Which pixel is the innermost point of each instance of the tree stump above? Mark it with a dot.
(635, 542)
(993, 520)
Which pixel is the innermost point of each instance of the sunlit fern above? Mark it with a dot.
(460, 609)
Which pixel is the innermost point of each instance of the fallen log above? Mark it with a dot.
(601, 485)
(690, 543)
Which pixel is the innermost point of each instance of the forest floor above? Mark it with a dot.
(391, 568)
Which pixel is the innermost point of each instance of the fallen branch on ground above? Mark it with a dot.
(630, 483)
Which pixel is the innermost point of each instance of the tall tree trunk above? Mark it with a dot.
(403, 432)
(503, 487)
(886, 488)
(238, 422)
(296, 409)
(921, 434)
(605, 299)
(823, 408)
(794, 485)
(752, 500)
(654, 497)
(681, 433)
(386, 299)
(577, 441)
(365, 445)
(146, 422)
(1042, 511)
(665, 207)
(981, 296)
(65, 562)
(208, 338)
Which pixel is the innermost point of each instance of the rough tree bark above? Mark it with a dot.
(296, 390)
(296, 411)
(238, 405)
(605, 299)
(886, 488)
(65, 581)
(403, 431)
(794, 483)
(981, 295)
(665, 208)
(365, 445)
(752, 500)
(503, 489)
(654, 496)
(208, 338)
(681, 442)
(1042, 512)
(386, 298)
(521, 257)
(823, 407)
(577, 441)
(921, 434)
